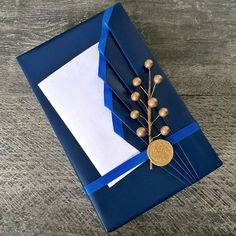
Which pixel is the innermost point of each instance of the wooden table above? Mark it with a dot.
(195, 43)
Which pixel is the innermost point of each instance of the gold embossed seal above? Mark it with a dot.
(160, 152)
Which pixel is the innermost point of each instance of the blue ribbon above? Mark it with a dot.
(117, 125)
(183, 133)
(107, 96)
(137, 160)
(102, 43)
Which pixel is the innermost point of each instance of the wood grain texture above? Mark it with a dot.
(195, 43)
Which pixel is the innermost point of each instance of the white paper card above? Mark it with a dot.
(76, 93)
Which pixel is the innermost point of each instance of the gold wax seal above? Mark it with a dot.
(160, 152)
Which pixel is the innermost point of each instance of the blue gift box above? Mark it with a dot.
(122, 53)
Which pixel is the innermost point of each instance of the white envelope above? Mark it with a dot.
(76, 93)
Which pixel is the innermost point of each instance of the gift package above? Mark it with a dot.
(128, 135)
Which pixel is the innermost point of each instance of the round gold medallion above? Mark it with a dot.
(160, 152)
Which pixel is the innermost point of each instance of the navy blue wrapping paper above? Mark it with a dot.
(142, 189)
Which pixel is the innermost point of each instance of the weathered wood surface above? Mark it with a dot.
(195, 42)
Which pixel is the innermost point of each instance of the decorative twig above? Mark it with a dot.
(152, 102)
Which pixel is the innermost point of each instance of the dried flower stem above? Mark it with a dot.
(149, 112)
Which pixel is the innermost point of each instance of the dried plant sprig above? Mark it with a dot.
(152, 102)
